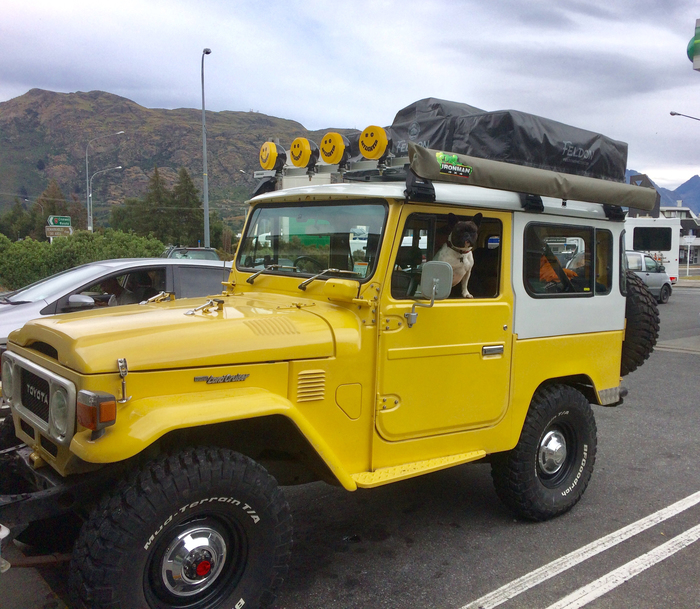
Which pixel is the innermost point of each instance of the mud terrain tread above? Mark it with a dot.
(512, 472)
(167, 479)
(642, 328)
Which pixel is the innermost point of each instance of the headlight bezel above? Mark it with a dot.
(58, 405)
(8, 385)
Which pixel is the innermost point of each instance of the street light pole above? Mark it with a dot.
(87, 173)
(686, 116)
(90, 193)
(204, 157)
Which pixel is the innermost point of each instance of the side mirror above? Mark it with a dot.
(436, 283)
(662, 268)
(438, 275)
(80, 301)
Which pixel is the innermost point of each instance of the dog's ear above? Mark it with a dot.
(451, 220)
(477, 219)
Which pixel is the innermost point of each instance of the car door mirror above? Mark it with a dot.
(435, 283)
(79, 301)
(661, 268)
(436, 274)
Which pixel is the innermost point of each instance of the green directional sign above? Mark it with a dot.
(59, 220)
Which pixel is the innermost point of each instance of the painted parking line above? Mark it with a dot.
(532, 579)
(612, 580)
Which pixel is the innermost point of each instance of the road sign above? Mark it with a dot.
(58, 231)
(59, 220)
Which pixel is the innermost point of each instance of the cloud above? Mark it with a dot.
(617, 68)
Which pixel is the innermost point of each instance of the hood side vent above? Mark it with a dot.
(311, 385)
(45, 348)
(271, 327)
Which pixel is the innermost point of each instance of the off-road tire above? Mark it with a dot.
(215, 497)
(642, 325)
(664, 294)
(8, 439)
(521, 481)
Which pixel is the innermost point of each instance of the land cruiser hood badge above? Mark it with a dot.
(226, 378)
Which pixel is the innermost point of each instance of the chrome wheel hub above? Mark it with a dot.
(193, 560)
(552, 452)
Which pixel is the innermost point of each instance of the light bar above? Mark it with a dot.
(272, 156)
(374, 143)
(304, 153)
(335, 148)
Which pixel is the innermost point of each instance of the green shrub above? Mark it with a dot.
(24, 262)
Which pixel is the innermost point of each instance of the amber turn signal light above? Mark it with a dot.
(96, 410)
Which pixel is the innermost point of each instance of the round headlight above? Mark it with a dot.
(7, 379)
(59, 411)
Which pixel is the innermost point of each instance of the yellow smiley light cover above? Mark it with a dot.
(333, 148)
(272, 156)
(304, 153)
(373, 142)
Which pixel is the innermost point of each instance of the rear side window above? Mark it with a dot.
(634, 262)
(199, 281)
(558, 260)
(562, 260)
(652, 238)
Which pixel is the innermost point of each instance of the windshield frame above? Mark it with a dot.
(280, 271)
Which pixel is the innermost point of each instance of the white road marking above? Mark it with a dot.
(603, 585)
(532, 579)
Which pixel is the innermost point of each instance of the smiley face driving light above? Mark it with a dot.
(272, 156)
(304, 153)
(334, 148)
(374, 143)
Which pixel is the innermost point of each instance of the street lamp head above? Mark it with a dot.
(674, 113)
(118, 133)
(207, 51)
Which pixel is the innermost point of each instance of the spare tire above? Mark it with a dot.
(642, 325)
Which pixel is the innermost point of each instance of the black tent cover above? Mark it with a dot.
(509, 136)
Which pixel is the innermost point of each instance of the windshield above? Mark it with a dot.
(56, 285)
(311, 238)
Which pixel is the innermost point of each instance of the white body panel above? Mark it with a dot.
(669, 258)
(540, 317)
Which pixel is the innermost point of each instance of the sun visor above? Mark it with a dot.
(463, 169)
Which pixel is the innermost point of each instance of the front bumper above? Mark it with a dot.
(28, 494)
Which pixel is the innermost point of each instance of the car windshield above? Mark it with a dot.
(312, 238)
(56, 285)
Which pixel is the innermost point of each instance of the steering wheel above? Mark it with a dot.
(309, 259)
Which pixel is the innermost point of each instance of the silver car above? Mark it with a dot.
(109, 283)
(652, 273)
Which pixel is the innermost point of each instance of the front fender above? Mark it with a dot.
(144, 421)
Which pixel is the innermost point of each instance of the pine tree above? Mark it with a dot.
(188, 227)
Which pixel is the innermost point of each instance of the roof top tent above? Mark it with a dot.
(509, 136)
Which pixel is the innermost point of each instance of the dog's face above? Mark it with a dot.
(463, 235)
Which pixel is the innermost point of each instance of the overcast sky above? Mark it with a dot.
(617, 67)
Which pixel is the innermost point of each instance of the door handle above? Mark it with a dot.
(492, 350)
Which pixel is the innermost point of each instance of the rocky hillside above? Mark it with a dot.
(43, 136)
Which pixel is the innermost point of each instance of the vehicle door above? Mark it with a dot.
(450, 370)
(652, 276)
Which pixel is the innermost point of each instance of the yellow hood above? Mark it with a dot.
(160, 336)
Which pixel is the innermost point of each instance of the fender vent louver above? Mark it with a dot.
(311, 385)
(271, 327)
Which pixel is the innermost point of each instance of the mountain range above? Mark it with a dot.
(46, 135)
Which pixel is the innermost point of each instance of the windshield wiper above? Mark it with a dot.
(303, 284)
(269, 267)
(13, 302)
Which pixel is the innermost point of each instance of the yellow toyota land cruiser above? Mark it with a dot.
(347, 346)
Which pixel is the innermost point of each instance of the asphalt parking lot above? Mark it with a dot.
(445, 540)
